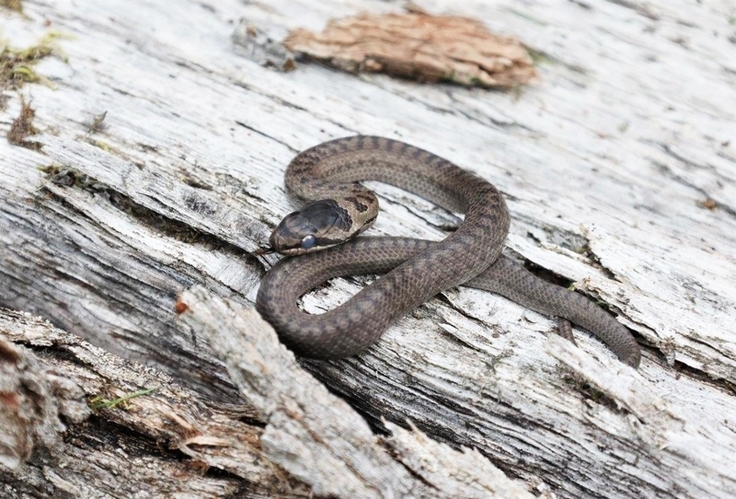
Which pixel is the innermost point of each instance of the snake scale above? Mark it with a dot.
(415, 270)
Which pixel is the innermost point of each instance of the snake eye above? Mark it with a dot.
(308, 242)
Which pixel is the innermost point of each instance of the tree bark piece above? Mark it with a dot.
(419, 47)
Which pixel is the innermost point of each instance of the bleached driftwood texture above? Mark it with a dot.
(618, 166)
(298, 409)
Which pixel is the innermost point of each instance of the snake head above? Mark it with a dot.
(317, 226)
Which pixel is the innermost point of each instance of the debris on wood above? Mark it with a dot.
(260, 48)
(15, 5)
(708, 203)
(419, 47)
(22, 127)
(96, 124)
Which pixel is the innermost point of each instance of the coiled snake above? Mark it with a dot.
(416, 270)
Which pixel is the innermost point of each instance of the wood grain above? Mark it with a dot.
(618, 167)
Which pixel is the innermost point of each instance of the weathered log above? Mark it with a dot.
(618, 167)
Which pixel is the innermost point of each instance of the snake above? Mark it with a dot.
(320, 239)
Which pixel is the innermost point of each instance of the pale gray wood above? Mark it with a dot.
(606, 163)
(312, 434)
(317, 436)
(129, 450)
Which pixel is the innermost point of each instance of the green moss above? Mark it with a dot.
(98, 403)
(16, 65)
(102, 145)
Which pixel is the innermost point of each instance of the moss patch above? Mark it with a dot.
(98, 403)
(16, 65)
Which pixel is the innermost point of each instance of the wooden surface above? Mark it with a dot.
(618, 165)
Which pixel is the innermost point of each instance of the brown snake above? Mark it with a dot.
(416, 270)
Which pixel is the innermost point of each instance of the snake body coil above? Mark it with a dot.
(416, 270)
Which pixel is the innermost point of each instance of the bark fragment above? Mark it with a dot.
(418, 47)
